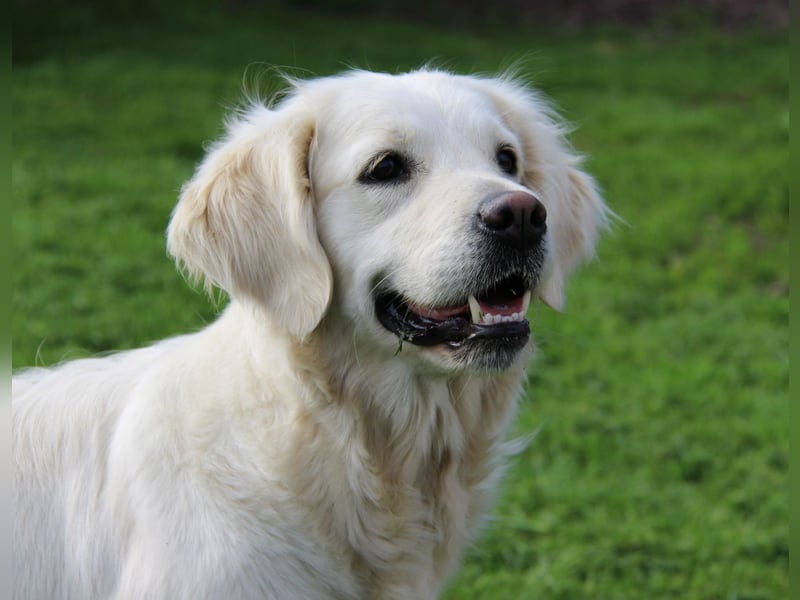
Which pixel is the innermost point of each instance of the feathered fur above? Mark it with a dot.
(288, 450)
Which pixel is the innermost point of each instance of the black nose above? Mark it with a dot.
(517, 219)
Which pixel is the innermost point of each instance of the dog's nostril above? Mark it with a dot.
(538, 215)
(498, 216)
(515, 218)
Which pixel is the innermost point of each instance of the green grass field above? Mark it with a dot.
(660, 469)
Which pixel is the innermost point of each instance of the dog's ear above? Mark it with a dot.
(575, 218)
(575, 211)
(245, 221)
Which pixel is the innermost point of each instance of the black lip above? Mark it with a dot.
(455, 331)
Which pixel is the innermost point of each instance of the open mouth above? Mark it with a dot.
(494, 313)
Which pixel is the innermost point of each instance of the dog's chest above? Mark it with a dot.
(417, 488)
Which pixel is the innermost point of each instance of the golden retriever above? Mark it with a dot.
(338, 432)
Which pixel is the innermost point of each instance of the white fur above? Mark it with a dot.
(289, 450)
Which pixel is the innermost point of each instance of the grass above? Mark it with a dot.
(660, 470)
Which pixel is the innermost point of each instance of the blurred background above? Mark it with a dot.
(660, 468)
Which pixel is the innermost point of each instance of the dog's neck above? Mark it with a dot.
(409, 418)
(412, 417)
(428, 439)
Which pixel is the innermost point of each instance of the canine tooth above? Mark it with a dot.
(526, 302)
(475, 309)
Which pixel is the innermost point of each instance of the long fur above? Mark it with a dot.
(291, 449)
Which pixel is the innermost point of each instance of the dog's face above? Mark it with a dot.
(430, 207)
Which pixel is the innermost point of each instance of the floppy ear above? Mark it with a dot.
(245, 221)
(575, 211)
(577, 216)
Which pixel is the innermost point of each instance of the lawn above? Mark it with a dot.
(660, 395)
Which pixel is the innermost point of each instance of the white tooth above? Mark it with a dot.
(515, 317)
(526, 302)
(475, 309)
(488, 319)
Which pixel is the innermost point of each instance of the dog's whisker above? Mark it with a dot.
(354, 338)
(381, 281)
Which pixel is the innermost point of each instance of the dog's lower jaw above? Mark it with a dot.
(478, 358)
(490, 356)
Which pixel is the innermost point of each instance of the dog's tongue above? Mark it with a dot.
(504, 307)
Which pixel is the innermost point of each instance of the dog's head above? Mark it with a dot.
(427, 207)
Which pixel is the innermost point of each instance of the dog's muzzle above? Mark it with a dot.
(510, 228)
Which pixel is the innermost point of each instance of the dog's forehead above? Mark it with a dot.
(371, 99)
(365, 111)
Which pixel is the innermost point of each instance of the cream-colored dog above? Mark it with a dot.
(338, 432)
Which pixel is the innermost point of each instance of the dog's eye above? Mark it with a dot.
(391, 167)
(507, 160)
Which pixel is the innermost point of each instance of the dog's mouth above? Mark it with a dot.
(495, 313)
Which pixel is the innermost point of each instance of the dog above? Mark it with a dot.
(339, 430)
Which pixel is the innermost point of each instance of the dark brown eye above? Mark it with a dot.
(390, 168)
(507, 160)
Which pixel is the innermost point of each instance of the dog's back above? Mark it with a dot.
(66, 544)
